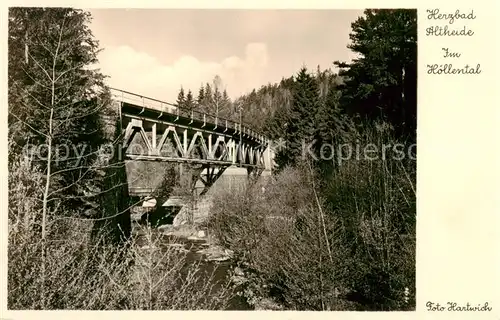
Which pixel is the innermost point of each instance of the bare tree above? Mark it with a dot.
(56, 100)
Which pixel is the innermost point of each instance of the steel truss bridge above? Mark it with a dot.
(210, 142)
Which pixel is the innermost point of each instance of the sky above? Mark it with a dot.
(153, 52)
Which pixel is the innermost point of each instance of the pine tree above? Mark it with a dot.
(201, 98)
(208, 101)
(56, 98)
(301, 128)
(382, 82)
(334, 127)
(225, 108)
(181, 99)
(202, 103)
(189, 103)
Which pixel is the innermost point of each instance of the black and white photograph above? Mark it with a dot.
(212, 159)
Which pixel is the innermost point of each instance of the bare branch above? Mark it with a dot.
(41, 43)
(70, 185)
(94, 194)
(33, 97)
(84, 167)
(69, 70)
(57, 50)
(34, 80)
(28, 125)
(89, 196)
(41, 67)
(93, 111)
(99, 219)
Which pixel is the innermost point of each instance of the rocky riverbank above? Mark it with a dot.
(209, 251)
(185, 232)
(200, 246)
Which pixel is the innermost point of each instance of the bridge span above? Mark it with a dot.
(155, 130)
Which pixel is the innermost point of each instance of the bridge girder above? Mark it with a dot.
(213, 147)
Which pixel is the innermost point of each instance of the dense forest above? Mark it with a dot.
(378, 85)
(351, 245)
(350, 190)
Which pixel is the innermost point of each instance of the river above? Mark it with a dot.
(220, 270)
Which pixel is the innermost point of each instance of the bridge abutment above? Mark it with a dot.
(113, 223)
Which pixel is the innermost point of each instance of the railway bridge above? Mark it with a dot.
(209, 143)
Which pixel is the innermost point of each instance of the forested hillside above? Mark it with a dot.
(346, 179)
(378, 85)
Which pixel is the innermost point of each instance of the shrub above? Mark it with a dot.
(82, 273)
(376, 200)
(78, 275)
(278, 234)
(344, 240)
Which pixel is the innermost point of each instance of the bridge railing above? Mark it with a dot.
(159, 105)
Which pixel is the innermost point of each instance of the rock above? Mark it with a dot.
(165, 227)
(182, 216)
(219, 258)
(174, 245)
(195, 212)
(201, 234)
(179, 247)
(238, 280)
(90, 212)
(182, 232)
(135, 217)
(213, 252)
(229, 253)
(195, 239)
(267, 304)
(146, 247)
(238, 272)
(149, 203)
